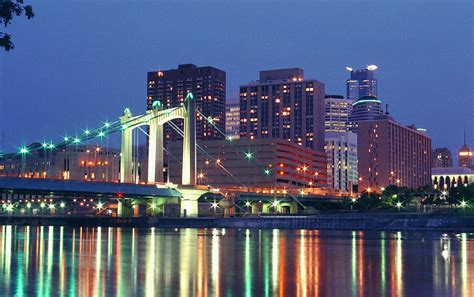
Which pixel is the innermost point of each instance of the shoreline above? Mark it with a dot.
(340, 221)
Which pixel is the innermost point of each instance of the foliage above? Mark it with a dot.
(9, 9)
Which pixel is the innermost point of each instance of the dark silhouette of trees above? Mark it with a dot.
(9, 9)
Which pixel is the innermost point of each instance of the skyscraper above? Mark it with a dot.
(337, 112)
(442, 158)
(208, 85)
(232, 120)
(365, 109)
(392, 154)
(282, 104)
(340, 143)
(361, 83)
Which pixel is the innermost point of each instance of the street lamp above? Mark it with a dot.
(398, 205)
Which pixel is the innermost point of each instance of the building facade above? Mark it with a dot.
(365, 109)
(283, 104)
(258, 165)
(465, 156)
(361, 83)
(392, 154)
(442, 158)
(208, 85)
(78, 162)
(232, 120)
(341, 150)
(337, 111)
(444, 178)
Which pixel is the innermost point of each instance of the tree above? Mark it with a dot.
(9, 9)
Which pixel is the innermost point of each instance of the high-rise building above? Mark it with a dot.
(232, 120)
(337, 112)
(465, 156)
(340, 143)
(341, 150)
(442, 158)
(361, 83)
(365, 109)
(282, 104)
(208, 85)
(392, 154)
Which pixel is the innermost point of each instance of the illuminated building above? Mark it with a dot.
(365, 109)
(78, 162)
(337, 112)
(392, 154)
(208, 85)
(232, 120)
(442, 158)
(465, 155)
(361, 83)
(444, 178)
(340, 144)
(341, 150)
(283, 104)
(260, 164)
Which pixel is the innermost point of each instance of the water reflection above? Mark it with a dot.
(62, 261)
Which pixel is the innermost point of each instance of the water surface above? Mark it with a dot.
(62, 261)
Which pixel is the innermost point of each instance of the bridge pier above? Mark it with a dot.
(155, 152)
(125, 208)
(189, 201)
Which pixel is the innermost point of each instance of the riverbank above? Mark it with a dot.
(341, 221)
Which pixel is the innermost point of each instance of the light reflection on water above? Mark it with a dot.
(60, 261)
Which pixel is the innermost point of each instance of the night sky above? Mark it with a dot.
(80, 62)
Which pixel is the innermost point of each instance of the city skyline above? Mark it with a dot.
(90, 93)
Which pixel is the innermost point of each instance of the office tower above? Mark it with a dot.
(232, 120)
(341, 150)
(283, 104)
(208, 85)
(337, 112)
(442, 158)
(364, 109)
(392, 154)
(361, 83)
(465, 156)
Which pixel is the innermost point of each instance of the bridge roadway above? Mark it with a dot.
(14, 185)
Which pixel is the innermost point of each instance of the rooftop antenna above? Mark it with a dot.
(464, 125)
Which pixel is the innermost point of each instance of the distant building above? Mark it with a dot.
(283, 104)
(341, 150)
(337, 112)
(208, 85)
(442, 158)
(260, 165)
(365, 109)
(392, 154)
(81, 162)
(361, 83)
(465, 156)
(444, 178)
(232, 120)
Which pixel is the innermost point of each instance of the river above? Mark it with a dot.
(63, 261)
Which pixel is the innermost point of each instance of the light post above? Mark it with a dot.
(353, 200)
(463, 204)
(398, 205)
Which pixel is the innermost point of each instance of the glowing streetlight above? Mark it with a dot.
(372, 67)
(23, 150)
(248, 155)
(247, 204)
(463, 203)
(398, 205)
(28, 205)
(349, 68)
(267, 171)
(51, 206)
(62, 204)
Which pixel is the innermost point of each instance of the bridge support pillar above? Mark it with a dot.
(293, 208)
(189, 201)
(126, 157)
(125, 208)
(189, 142)
(155, 152)
(266, 208)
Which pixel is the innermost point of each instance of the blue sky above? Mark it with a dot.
(79, 62)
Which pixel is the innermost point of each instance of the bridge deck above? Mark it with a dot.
(75, 187)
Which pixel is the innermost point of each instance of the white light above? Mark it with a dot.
(349, 68)
(372, 67)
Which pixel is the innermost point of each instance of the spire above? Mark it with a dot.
(464, 132)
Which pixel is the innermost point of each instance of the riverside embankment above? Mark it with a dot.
(340, 221)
